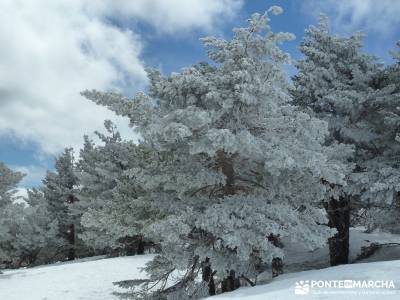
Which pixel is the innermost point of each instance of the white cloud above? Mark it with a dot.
(169, 15)
(350, 15)
(51, 50)
(34, 174)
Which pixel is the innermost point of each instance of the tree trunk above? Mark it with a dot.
(208, 276)
(71, 241)
(211, 286)
(140, 246)
(277, 267)
(226, 165)
(230, 283)
(71, 232)
(130, 250)
(339, 218)
(277, 263)
(224, 162)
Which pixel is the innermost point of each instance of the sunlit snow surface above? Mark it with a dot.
(80, 280)
(91, 279)
(283, 287)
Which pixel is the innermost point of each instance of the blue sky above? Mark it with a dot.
(53, 51)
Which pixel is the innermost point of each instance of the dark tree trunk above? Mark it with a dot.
(277, 267)
(230, 283)
(71, 241)
(277, 263)
(224, 162)
(140, 246)
(208, 276)
(224, 286)
(211, 286)
(226, 165)
(130, 250)
(71, 232)
(33, 256)
(339, 218)
(132, 245)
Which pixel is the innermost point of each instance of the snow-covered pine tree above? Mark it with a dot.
(108, 194)
(26, 227)
(60, 193)
(338, 82)
(381, 192)
(237, 163)
(36, 235)
(9, 180)
(9, 213)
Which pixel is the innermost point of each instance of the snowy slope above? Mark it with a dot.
(83, 280)
(283, 287)
(92, 280)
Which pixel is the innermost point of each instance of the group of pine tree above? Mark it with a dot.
(232, 158)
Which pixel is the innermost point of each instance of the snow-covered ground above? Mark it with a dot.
(80, 280)
(92, 279)
(283, 287)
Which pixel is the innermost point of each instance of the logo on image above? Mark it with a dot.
(302, 287)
